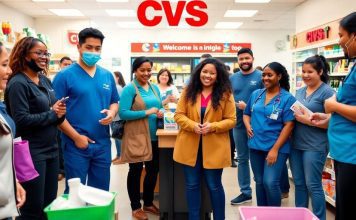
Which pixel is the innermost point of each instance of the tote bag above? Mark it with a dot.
(25, 170)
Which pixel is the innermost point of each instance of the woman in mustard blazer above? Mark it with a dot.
(205, 113)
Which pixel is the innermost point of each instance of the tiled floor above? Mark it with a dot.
(118, 184)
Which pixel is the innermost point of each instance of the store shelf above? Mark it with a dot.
(338, 74)
(330, 200)
(331, 56)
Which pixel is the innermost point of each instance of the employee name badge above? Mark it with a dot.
(275, 114)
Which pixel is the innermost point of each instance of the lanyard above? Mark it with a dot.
(276, 102)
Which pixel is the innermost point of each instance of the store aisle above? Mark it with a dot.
(118, 184)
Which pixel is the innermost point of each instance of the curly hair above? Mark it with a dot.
(221, 87)
(280, 70)
(19, 52)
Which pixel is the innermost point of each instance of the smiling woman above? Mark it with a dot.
(30, 100)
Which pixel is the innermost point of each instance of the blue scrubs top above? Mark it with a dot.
(342, 131)
(268, 121)
(87, 97)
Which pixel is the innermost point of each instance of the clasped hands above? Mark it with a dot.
(202, 128)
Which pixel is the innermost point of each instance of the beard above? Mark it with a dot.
(248, 68)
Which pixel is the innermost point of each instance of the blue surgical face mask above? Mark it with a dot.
(90, 59)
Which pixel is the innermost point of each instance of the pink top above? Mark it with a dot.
(205, 101)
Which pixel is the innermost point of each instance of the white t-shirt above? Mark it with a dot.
(173, 90)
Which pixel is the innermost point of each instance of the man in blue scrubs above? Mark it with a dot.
(91, 107)
(243, 84)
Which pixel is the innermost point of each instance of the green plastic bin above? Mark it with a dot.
(84, 213)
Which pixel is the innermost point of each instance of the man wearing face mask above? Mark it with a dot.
(243, 84)
(91, 107)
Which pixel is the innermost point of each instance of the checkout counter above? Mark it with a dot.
(172, 199)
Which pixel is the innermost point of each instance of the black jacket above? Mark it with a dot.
(30, 107)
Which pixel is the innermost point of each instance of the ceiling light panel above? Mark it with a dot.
(121, 12)
(67, 12)
(240, 13)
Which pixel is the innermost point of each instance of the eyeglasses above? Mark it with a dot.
(41, 54)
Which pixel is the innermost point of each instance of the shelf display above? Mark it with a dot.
(339, 66)
(181, 67)
(328, 181)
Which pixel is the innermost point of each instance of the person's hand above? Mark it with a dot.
(82, 142)
(20, 195)
(59, 108)
(240, 105)
(172, 98)
(197, 128)
(303, 118)
(151, 111)
(330, 104)
(319, 119)
(160, 114)
(110, 115)
(206, 128)
(249, 131)
(272, 156)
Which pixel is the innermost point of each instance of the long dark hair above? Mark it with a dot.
(120, 78)
(170, 79)
(19, 52)
(282, 71)
(3, 128)
(221, 86)
(318, 62)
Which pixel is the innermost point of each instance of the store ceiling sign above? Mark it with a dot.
(73, 37)
(188, 47)
(196, 9)
(318, 34)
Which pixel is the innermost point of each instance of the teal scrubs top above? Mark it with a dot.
(342, 131)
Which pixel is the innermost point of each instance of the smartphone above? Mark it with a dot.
(169, 92)
(64, 99)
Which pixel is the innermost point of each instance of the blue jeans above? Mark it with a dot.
(285, 180)
(91, 165)
(267, 177)
(243, 167)
(118, 147)
(193, 190)
(307, 168)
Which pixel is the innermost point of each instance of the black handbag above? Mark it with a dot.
(117, 127)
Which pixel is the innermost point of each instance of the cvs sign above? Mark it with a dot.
(73, 37)
(194, 8)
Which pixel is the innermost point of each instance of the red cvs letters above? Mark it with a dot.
(193, 8)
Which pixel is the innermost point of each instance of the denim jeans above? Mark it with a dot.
(307, 168)
(118, 147)
(243, 166)
(193, 189)
(285, 180)
(267, 177)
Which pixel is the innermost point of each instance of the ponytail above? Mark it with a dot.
(319, 63)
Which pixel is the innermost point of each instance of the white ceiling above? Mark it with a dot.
(278, 14)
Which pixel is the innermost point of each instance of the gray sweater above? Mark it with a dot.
(7, 180)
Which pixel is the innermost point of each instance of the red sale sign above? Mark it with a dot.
(196, 9)
(188, 47)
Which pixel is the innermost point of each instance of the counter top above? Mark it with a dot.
(166, 138)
